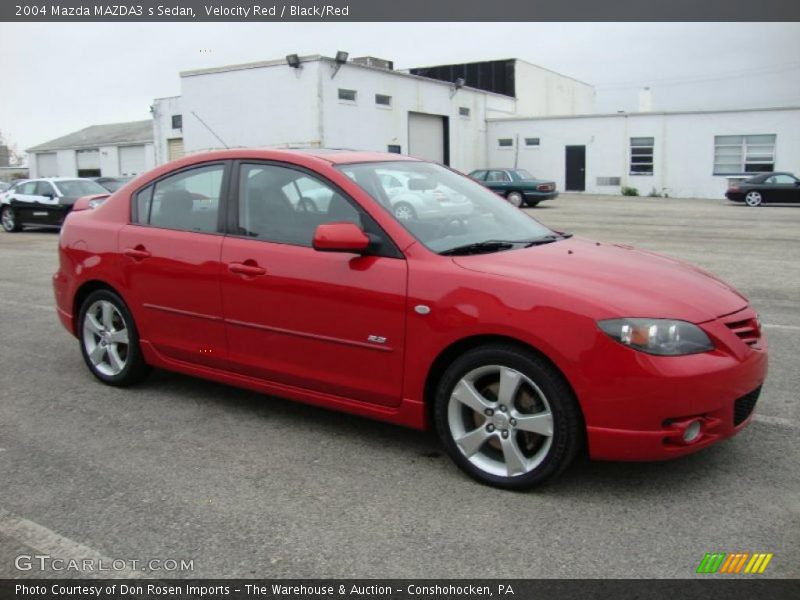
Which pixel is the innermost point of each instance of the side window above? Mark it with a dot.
(781, 179)
(278, 204)
(188, 201)
(479, 175)
(142, 203)
(28, 188)
(497, 176)
(43, 188)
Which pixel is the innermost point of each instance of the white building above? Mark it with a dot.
(360, 104)
(680, 154)
(117, 149)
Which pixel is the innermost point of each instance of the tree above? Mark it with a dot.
(15, 158)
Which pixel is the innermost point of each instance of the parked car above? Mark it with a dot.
(519, 344)
(43, 202)
(517, 186)
(766, 187)
(4, 186)
(412, 197)
(112, 184)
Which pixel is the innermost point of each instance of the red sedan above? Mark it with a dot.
(286, 272)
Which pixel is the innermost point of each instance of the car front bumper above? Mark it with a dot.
(645, 404)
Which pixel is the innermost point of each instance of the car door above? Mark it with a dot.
(321, 321)
(782, 188)
(498, 181)
(170, 255)
(26, 202)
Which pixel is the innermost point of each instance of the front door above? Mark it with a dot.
(170, 262)
(328, 322)
(575, 177)
(36, 203)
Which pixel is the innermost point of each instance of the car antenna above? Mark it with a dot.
(211, 130)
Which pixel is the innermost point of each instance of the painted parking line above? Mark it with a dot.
(48, 542)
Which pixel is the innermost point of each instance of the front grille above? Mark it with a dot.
(743, 407)
(745, 326)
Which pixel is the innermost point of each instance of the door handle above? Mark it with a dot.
(137, 253)
(248, 268)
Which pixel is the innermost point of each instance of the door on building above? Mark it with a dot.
(575, 178)
(88, 163)
(131, 160)
(47, 165)
(429, 137)
(174, 148)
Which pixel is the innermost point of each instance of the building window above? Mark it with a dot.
(395, 149)
(505, 142)
(177, 121)
(531, 142)
(347, 95)
(382, 100)
(743, 154)
(463, 111)
(642, 156)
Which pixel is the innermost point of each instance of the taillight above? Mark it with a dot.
(545, 187)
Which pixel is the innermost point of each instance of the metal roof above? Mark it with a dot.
(112, 134)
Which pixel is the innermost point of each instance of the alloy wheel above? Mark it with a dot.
(753, 199)
(8, 219)
(515, 199)
(500, 420)
(105, 338)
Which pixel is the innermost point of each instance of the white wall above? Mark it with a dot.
(109, 161)
(163, 110)
(683, 153)
(541, 92)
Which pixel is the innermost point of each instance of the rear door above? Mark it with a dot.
(328, 322)
(498, 181)
(28, 202)
(170, 262)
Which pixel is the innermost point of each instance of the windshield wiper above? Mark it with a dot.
(488, 246)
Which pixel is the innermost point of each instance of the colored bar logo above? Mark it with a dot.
(734, 563)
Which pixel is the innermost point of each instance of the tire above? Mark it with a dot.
(403, 211)
(525, 456)
(753, 198)
(102, 321)
(532, 203)
(515, 199)
(9, 220)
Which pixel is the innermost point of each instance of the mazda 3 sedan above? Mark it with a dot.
(522, 346)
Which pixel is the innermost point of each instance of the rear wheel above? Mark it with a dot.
(9, 220)
(515, 199)
(507, 418)
(109, 340)
(753, 198)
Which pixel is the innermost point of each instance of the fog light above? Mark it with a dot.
(692, 431)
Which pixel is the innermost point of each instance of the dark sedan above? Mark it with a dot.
(766, 187)
(517, 186)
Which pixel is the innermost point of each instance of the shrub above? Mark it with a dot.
(629, 191)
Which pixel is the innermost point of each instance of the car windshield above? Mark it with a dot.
(445, 210)
(521, 174)
(73, 188)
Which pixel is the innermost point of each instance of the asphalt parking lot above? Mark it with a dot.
(246, 485)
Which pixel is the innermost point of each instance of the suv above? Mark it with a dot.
(43, 202)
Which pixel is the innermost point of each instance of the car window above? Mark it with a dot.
(479, 175)
(75, 188)
(28, 188)
(522, 174)
(497, 177)
(188, 201)
(781, 179)
(44, 188)
(279, 204)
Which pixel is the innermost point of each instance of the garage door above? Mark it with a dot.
(131, 160)
(47, 165)
(174, 148)
(88, 160)
(426, 137)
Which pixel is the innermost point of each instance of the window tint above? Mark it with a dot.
(43, 188)
(497, 176)
(283, 205)
(188, 201)
(27, 188)
(781, 179)
(142, 204)
(479, 175)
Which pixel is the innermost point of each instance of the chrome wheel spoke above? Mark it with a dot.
(472, 441)
(466, 394)
(509, 384)
(97, 354)
(541, 423)
(93, 324)
(114, 360)
(108, 315)
(118, 337)
(514, 459)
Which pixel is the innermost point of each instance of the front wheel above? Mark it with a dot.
(515, 199)
(9, 220)
(109, 340)
(507, 418)
(403, 211)
(753, 198)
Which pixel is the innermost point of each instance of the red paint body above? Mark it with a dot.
(294, 322)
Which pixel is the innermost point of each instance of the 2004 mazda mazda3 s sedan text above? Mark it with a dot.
(519, 344)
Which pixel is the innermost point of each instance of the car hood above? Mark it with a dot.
(619, 281)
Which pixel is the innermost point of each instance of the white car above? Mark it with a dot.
(43, 202)
(416, 198)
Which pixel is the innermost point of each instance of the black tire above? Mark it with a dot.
(532, 203)
(515, 199)
(135, 369)
(403, 211)
(567, 422)
(9, 220)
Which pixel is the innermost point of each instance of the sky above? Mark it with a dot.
(57, 78)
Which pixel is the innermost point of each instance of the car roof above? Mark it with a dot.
(329, 155)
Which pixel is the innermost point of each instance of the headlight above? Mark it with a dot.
(96, 202)
(664, 337)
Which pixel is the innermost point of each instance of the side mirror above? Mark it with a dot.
(340, 237)
(421, 184)
(48, 195)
